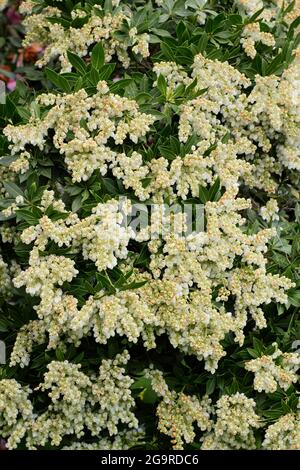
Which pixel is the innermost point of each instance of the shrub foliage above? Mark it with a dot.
(155, 338)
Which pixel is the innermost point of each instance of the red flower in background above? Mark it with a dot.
(10, 81)
(5, 78)
(13, 16)
(31, 52)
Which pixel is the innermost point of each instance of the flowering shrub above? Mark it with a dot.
(149, 263)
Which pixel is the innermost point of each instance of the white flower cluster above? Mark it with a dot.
(8, 233)
(235, 424)
(141, 42)
(103, 236)
(227, 425)
(29, 335)
(5, 279)
(103, 239)
(253, 34)
(178, 413)
(168, 302)
(16, 412)
(6, 174)
(100, 25)
(21, 164)
(271, 10)
(7, 273)
(111, 392)
(183, 175)
(55, 309)
(123, 441)
(257, 122)
(82, 126)
(269, 212)
(194, 261)
(284, 434)
(173, 73)
(277, 369)
(44, 273)
(11, 209)
(68, 389)
(78, 402)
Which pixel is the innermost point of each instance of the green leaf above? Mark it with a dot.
(77, 62)
(134, 285)
(255, 16)
(78, 84)
(214, 190)
(161, 32)
(106, 71)
(104, 282)
(258, 346)
(55, 20)
(76, 204)
(167, 153)
(79, 22)
(210, 385)
(143, 257)
(97, 56)
(162, 85)
(59, 355)
(60, 82)
(253, 353)
(108, 5)
(203, 195)
(24, 113)
(74, 190)
(12, 189)
(276, 66)
(168, 52)
(45, 171)
(7, 160)
(289, 8)
(294, 297)
(29, 217)
(147, 394)
(110, 185)
(93, 76)
(121, 85)
(295, 24)
(4, 218)
(202, 44)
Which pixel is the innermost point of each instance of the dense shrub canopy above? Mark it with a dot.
(173, 334)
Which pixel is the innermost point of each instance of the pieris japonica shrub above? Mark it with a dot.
(150, 232)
